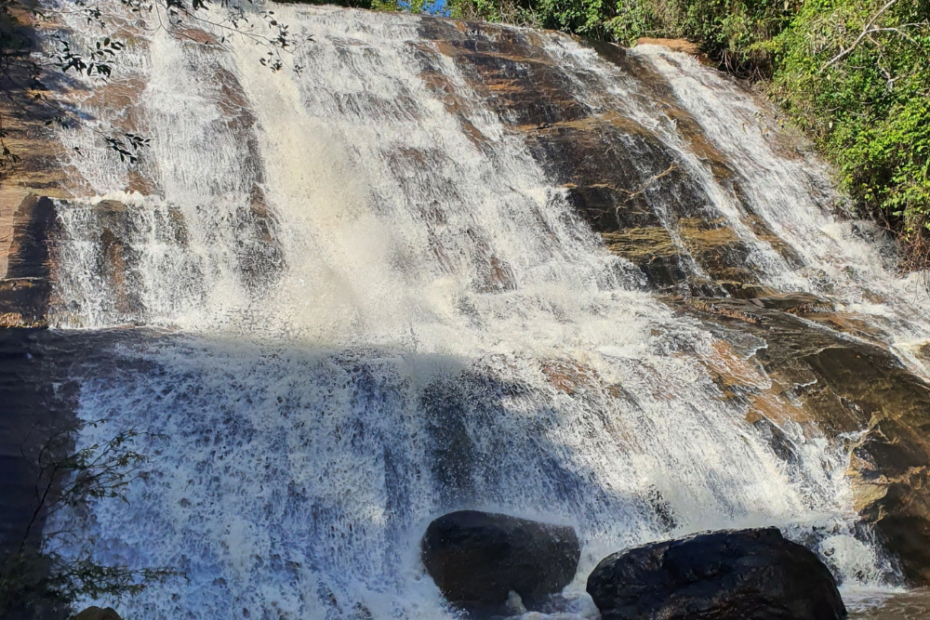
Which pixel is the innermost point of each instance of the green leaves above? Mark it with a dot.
(858, 78)
(126, 146)
(41, 579)
(96, 63)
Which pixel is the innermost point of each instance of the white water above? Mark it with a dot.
(432, 328)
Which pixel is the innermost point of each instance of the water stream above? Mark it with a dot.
(363, 318)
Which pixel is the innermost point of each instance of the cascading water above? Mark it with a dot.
(369, 317)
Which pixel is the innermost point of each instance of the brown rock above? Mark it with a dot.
(676, 45)
(840, 385)
(25, 289)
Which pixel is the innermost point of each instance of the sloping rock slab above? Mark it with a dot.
(727, 575)
(477, 558)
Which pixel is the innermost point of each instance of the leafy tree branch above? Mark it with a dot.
(38, 577)
(25, 69)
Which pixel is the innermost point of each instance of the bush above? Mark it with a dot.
(857, 78)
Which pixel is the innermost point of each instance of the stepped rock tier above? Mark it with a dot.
(451, 266)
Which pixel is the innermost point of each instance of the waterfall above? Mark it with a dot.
(372, 304)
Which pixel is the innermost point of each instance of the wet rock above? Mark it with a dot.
(728, 575)
(799, 304)
(98, 613)
(844, 385)
(908, 536)
(25, 289)
(452, 451)
(477, 559)
(619, 175)
(676, 45)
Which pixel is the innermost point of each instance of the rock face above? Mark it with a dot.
(25, 286)
(676, 45)
(478, 558)
(817, 364)
(728, 575)
(825, 368)
(854, 385)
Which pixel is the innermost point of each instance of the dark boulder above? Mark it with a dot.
(727, 575)
(478, 558)
(98, 613)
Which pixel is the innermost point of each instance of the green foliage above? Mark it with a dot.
(516, 12)
(642, 18)
(416, 6)
(728, 27)
(588, 17)
(44, 585)
(37, 579)
(856, 75)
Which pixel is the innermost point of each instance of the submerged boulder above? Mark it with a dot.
(477, 559)
(728, 575)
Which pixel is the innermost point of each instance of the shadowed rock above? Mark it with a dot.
(728, 575)
(478, 558)
(25, 287)
(98, 613)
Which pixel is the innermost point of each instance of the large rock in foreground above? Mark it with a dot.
(727, 575)
(98, 613)
(478, 558)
